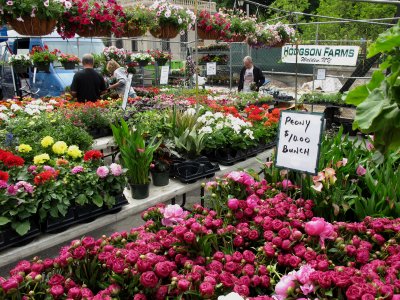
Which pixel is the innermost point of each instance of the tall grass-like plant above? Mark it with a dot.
(136, 153)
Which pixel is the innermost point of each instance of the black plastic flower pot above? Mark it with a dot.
(20, 69)
(69, 65)
(9, 238)
(229, 157)
(140, 191)
(56, 225)
(43, 67)
(120, 201)
(97, 133)
(162, 62)
(160, 178)
(88, 213)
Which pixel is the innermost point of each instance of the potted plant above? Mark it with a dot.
(212, 26)
(160, 57)
(138, 19)
(240, 26)
(33, 17)
(89, 18)
(131, 67)
(68, 61)
(161, 166)
(42, 57)
(117, 54)
(283, 34)
(20, 62)
(136, 156)
(143, 59)
(172, 19)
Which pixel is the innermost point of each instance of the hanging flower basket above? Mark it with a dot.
(32, 26)
(161, 61)
(207, 35)
(69, 65)
(19, 69)
(132, 31)
(238, 38)
(168, 31)
(96, 31)
(43, 67)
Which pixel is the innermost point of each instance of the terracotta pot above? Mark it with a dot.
(204, 35)
(131, 31)
(168, 31)
(32, 26)
(95, 31)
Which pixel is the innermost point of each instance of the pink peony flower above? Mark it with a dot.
(233, 204)
(319, 227)
(102, 172)
(116, 169)
(286, 184)
(173, 214)
(284, 286)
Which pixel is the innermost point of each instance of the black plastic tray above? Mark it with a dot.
(192, 170)
(9, 238)
(56, 225)
(120, 201)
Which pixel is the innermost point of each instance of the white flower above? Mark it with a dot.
(249, 133)
(2, 107)
(231, 296)
(3, 117)
(205, 129)
(190, 112)
(15, 107)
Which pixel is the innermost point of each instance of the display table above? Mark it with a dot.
(157, 195)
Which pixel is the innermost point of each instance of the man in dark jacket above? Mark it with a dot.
(250, 74)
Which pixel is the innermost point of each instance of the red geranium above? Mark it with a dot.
(45, 176)
(92, 155)
(4, 176)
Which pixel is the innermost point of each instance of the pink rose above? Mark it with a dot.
(149, 279)
(189, 237)
(354, 292)
(303, 274)
(56, 279)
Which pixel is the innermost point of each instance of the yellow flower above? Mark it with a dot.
(74, 151)
(24, 148)
(60, 147)
(47, 141)
(40, 159)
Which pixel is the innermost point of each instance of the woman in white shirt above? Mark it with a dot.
(121, 76)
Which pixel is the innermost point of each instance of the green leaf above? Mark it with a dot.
(97, 200)
(4, 221)
(386, 41)
(81, 200)
(360, 93)
(370, 109)
(22, 227)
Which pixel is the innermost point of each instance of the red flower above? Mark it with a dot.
(12, 160)
(4, 176)
(45, 176)
(149, 279)
(92, 155)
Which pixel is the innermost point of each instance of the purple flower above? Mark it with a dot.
(48, 168)
(77, 169)
(27, 186)
(116, 169)
(102, 171)
(32, 169)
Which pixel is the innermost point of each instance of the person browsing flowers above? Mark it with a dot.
(120, 74)
(249, 76)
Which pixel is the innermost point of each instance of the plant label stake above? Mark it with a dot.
(127, 89)
(299, 140)
(164, 75)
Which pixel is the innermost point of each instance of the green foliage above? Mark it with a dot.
(320, 98)
(378, 102)
(136, 152)
(24, 8)
(191, 142)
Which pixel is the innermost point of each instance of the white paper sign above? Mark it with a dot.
(299, 141)
(34, 75)
(321, 55)
(321, 74)
(211, 68)
(164, 75)
(127, 89)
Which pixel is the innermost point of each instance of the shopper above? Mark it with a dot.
(88, 85)
(250, 75)
(121, 76)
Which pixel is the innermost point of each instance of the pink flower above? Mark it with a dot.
(77, 169)
(206, 289)
(102, 171)
(319, 227)
(173, 214)
(116, 169)
(57, 290)
(140, 150)
(361, 171)
(286, 184)
(233, 204)
(317, 186)
(235, 176)
(303, 274)
(307, 289)
(284, 286)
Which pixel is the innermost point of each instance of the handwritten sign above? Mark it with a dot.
(127, 90)
(321, 55)
(164, 75)
(299, 141)
(211, 68)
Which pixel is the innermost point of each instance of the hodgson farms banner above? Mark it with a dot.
(321, 55)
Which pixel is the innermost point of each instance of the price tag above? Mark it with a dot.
(321, 74)
(299, 141)
(211, 68)
(164, 75)
(127, 89)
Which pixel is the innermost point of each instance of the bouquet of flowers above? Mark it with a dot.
(170, 15)
(138, 19)
(212, 26)
(160, 57)
(112, 52)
